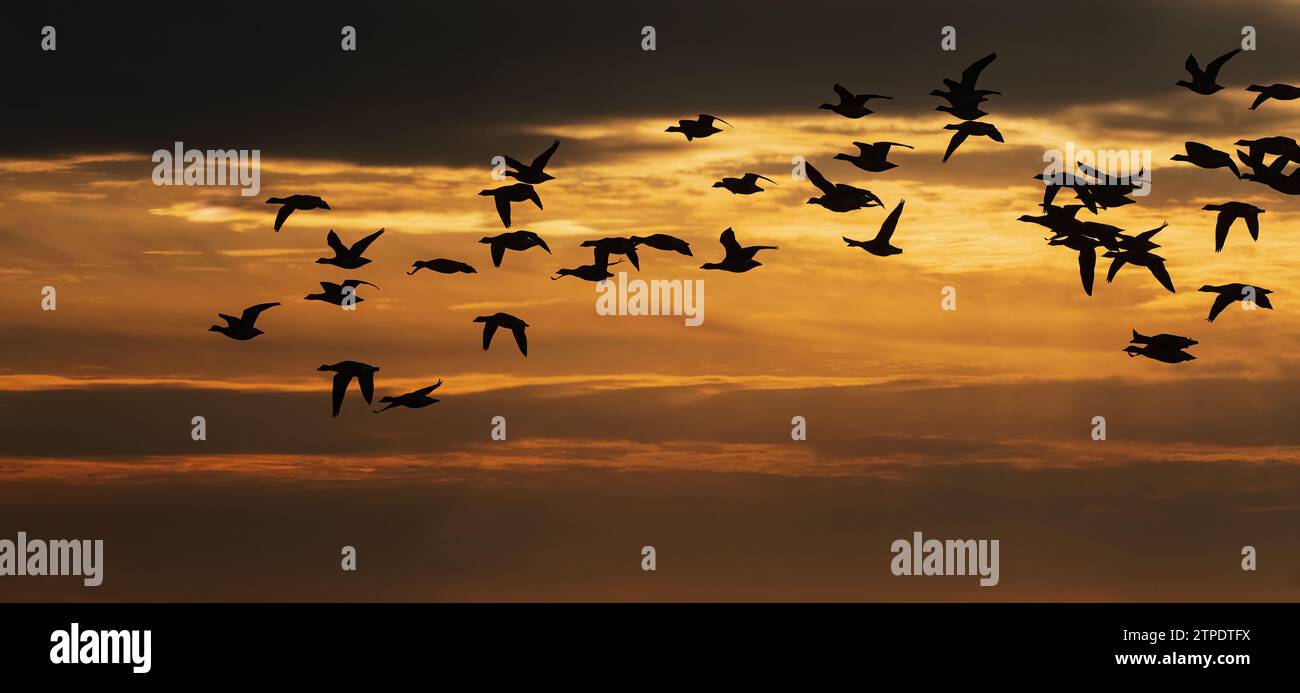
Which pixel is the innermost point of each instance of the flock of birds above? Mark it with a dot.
(1095, 190)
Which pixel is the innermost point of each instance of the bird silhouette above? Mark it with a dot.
(1277, 145)
(1230, 212)
(614, 245)
(871, 157)
(879, 245)
(344, 372)
(417, 399)
(839, 197)
(745, 185)
(1140, 242)
(1207, 157)
(442, 266)
(1159, 353)
(738, 258)
(1229, 294)
(294, 202)
(1165, 341)
(1273, 175)
(596, 272)
(348, 257)
(520, 240)
(519, 192)
(1141, 258)
(662, 241)
(1203, 81)
(699, 128)
(1281, 92)
(1087, 250)
(1110, 190)
(508, 321)
(532, 173)
(333, 293)
(967, 128)
(963, 97)
(241, 328)
(852, 105)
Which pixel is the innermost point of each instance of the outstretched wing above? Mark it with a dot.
(366, 380)
(1087, 267)
(1115, 264)
(1252, 225)
(341, 381)
(1221, 226)
(817, 179)
(521, 339)
(251, 313)
(957, 138)
(1213, 68)
(360, 246)
(280, 216)
(891, 223)
(503, 209)
(1162, 275)
(426, 390)
(354, 283)
(540, 162)
(335, 243)
(844, 94)
(972, 74)
(1192, 66)
(728, 240)
(1222, 301)
(489, 329)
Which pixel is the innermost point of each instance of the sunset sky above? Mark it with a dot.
(633, 431)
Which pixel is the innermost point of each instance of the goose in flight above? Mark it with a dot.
(597, 272)
(345, 256)
(1159, 353)
(1229, 212)
(851, 105)
(738, 258)
(662, 241)
(520, 240)
(1165, 341)
(1281, 92)
(963, 98)
(241, 328)
(967, 128)
(519, 192)
(344, 372)
(1087, 249)
(294, 202)
(1207, 157)
(442, 266)
(417, 399)
(745, 185)
(334, 293)
(879, 246)
(614, 245)
(508, 321)
(1147, 259)
(533, 173)
(699, 128)
(1229, 294)
(1203, 81)
(839, 197)
(872, 157)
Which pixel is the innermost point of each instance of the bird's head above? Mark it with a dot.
(814, 201)
(1208, 287)
(827, 106)
(1183, 83)
(322, 261)
(216, 328)
(325, 367)
(719, 185)
(1132, 350)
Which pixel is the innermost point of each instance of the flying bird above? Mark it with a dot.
(697, 129)
(520, 240)
(1087, 249)
(1159, 353)
(294, 202)
(851, 105)
(967, 128)
(1281, 92)
(345, 256)
(872, 157)
(738, 258)
(962, 96)
(333, 293)
(1207, 157)
(415, 400)
(662, 241)
(1141, 258)
(519, 192)
(532, 173)
(442, 266)
(839, 197)
(508, 321)
(1164, 341)
(745, 185)
(344, 372)
(1229, 294)
(1203, 81)
(597, 272)
(1230, 212)
(241, 328)
(879, 246)
(614, 245)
